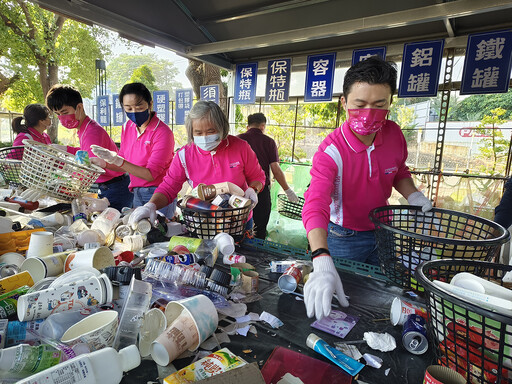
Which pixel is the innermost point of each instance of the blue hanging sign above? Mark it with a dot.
(364, 53)
(184, 98)
(118, 117)
(103, 110)
(161, 105)
(245, 83)
(278, 80)
(320, 77)
(210, 93)
(487, 63)
(421, 66)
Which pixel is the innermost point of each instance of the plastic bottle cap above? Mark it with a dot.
(311, 340)
(130, 358)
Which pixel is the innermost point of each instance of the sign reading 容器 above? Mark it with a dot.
(184, 98)
(421, 65)
(278, 80)
(487, 63)
(364, 53)
(103, 110)
(320, 77)
(161, 105)
(245, 83)
(210, 93)
(118, 117)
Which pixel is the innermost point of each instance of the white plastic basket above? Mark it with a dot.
(54, 172)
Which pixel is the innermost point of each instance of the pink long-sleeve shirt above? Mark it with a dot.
(233, 160)
(89, 133)
(153, 149)
(349, 179)
(32, 134)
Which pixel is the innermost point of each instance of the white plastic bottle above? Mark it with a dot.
(105, 366)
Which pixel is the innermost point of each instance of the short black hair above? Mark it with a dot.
(373, 70)
(138, 89)
(256, 119)
(60, 95)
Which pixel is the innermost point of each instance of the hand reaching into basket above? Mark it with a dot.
(323, 282)
(99, 162)
(110, 157)
(291, 195)
(148, 210)
(418, 199)
(251, 194)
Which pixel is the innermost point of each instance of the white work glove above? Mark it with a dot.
(110, 157)
(99, 162)
(323, 282)
(63, 148)
(148, 210)
(251, 194)
(291, 195)
(31, 195)
(419, 199)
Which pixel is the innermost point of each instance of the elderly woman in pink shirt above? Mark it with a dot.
(32, 125)
(211, 156)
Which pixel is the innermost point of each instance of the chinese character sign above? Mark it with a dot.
(103, 110)
(161, 105)
(118, 116)
(245, 83)
(184, 98)
(210, 93)
(320, 77)
(364, 53)
(278, 80)
(487, 63)
(421, 66)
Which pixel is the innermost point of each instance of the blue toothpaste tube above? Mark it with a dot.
(348, 364)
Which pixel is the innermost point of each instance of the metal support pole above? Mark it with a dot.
(443, 118)
(295, 128)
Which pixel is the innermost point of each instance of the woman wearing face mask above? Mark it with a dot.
(353, 172)
(211, 156)
(147, 147)
(32, 125)
(67, 103)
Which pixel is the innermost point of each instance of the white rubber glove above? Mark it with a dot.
(291, 195)
(419, 199)
(63, 148)
(99, 162)
(148, 210)
(110, 157)
(31, 195)
(251, 194)
(323, 282)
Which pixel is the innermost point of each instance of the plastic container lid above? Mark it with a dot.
(130, 358)
(311, 340)
(123, 274)
(220, 277)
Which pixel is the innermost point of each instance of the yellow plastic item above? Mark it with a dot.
(16, 241)
(10, 283)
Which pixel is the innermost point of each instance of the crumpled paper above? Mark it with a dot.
(383, 342)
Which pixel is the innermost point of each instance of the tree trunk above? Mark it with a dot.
(200, 73)
(6, 82)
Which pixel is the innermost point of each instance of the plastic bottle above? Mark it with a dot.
(29, 205)
(105, 366)
(17, 332)
(56, 324)
(107, 221)
(24, 358)
(78, 209)
(95, 205)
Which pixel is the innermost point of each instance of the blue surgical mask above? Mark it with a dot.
(208, 142)
(138, 118)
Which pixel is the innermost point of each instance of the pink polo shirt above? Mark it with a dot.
(349, 179)
(89, 133)
(153, 149)
(233, 160)
(32, 134)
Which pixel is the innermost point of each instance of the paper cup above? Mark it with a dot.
(41, 244)
(201, 310)
(154, 323)
(53, 220)
(98, 258)
(41, 267)
(237, 269)
(225, 243)
(400, 310)
(436, 374)
(12, 258)
(97, 331)
(250, 281)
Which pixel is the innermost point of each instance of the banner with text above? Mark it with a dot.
(245, 83)
(103, 110)
(278, 80)
(161, 105)
(210, 93)
(364, 53)
(184, 99)
(320, 77)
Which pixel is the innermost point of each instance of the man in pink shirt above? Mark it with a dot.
(67, 103)
(353, 172)
(211, 156)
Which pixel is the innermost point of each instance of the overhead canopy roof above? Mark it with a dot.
(227, 32)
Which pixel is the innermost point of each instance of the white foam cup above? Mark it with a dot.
(225, 243)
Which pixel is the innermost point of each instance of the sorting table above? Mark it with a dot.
(370, 300)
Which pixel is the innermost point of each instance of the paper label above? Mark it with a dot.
(70, 373)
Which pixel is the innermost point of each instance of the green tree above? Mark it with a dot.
(280, 123)
(143, 74)
(494, 145)
(45, 49)
(405, 117)
(477, 106)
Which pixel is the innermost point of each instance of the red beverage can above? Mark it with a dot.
(289, 280)
(195, 203)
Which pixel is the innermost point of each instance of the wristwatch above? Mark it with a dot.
(320, 251)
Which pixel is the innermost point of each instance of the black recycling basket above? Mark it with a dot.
(290, 209)
(206, 223)
(10, 165)
(469, 336)
(406, 237)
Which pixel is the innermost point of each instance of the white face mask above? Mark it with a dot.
(208, 142)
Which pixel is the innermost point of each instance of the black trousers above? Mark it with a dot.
(261, 213)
